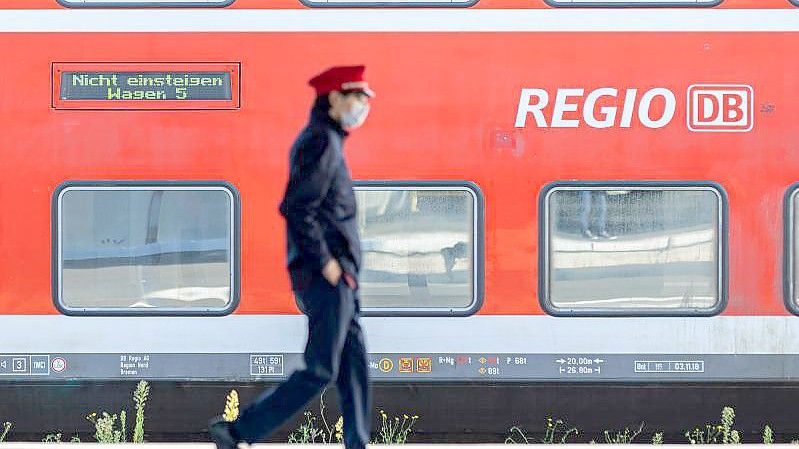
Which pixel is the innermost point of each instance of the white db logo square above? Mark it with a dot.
(721, 107)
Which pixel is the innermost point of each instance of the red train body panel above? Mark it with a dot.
(433, 120)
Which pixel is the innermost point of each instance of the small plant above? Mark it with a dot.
(657, 438)
(556, 433)
(52, 438)
(711, 433)
(768, 435)
(308, 432)
(106, 429)
(140, 399)
(339, 428)
(4, 429)
(625, 436)
(728, 434)
(395, 431)
(517, 436)
(231, 412)
(56, 438)
(327, 434)
(707, 435)
(112, 428)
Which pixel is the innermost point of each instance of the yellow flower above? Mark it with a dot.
(405, 416)
(231, 406)
(339, 428)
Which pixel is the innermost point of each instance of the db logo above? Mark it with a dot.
(720, 107)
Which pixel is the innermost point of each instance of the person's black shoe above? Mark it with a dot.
(221, 434)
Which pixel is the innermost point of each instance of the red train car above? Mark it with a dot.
(550, 193)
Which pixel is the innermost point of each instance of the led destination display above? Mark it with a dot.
(145, 86)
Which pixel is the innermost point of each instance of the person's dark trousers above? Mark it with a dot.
(335, 351)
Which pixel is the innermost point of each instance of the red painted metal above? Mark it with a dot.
(436, 118)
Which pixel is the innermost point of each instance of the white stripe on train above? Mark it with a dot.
(476, 334)
(397, 20)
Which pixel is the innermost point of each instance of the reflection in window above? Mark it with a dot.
(633, 248)
(144, 3)
(634, 2)
(794, 226)
(145, 248)
(390, 3)
(418, 247)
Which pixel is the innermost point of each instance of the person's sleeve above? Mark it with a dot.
(308, 185)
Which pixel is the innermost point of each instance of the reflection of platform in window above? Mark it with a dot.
(654, 269)
(666, 254)
(416, 247)
(140, 285)
(430, 268)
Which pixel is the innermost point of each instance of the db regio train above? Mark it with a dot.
(550, 193)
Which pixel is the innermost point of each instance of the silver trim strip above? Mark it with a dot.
(523, 334)
(398, 20)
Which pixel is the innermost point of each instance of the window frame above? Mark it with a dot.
(478, 247)
(387, 5)
(789, 234)
(235, 253)
(76, 4)
(632, 4)
(543, 248)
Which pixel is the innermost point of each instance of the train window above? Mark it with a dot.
(619, 248)
(144, 3)
(632, 3)
(422, 248)
(389, 3)
(791, 272)
(145, 248)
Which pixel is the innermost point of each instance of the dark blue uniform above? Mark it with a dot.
(319, 207)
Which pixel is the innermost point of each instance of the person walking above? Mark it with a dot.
(324, 257)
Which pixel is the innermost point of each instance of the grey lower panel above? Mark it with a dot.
(409, 367)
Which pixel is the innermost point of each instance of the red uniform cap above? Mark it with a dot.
(342, 78)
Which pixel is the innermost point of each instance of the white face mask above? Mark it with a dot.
(355, 116)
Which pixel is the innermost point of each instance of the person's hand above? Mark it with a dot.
(332, 272)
